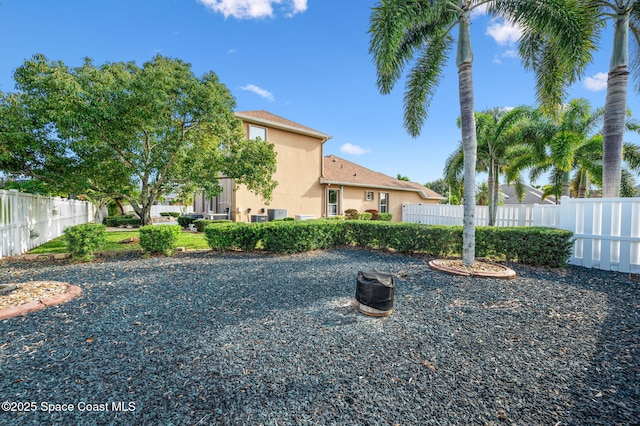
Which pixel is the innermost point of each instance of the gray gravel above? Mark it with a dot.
(206, 338)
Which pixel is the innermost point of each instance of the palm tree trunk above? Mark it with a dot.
(582, 186)
(615, 110)
(566, 185)
(469, 142)
(496, 193)
(491, 188)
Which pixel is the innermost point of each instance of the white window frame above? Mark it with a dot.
(369, 195)
(257, 132)
(383, 208)
(333, 208)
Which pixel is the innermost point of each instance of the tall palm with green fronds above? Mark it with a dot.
(418, 34)
(625, 15)
(498, 134)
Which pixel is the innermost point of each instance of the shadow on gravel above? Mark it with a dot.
(609, 390)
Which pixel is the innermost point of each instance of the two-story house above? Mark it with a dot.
(310, 184)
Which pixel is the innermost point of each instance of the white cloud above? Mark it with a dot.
(354, 149)
(259, 91)
(504, 33)
(596, 82)
(480, 10)
(509, 54)
(254, 9)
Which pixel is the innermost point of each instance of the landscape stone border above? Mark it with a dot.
(505, 273)
(71, 292)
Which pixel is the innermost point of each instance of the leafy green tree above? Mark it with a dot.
(440, 186)
(452, 193)
(400, 177)
(123, 131)
(419, 34)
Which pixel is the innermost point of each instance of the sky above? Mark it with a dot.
(305, 60)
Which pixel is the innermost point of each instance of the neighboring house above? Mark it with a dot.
(309, 184)
(532, 196)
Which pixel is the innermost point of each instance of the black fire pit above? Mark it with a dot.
(374, 293)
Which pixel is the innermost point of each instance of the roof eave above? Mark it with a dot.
(276, 125)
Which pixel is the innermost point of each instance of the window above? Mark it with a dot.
(368, 195)
(332, 202)
(384, 202)
(257, 132)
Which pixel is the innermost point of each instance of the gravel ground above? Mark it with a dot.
(206, 338)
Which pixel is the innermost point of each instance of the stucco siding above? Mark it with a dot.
(299, 167)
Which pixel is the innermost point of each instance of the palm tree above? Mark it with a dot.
(570, 143)
(419, 32)
(626, 18)
(497, 132)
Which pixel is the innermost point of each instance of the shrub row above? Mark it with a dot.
(532, 246)
(170, 214)
(371, 214)
(122, 220)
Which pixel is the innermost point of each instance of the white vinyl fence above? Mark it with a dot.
(606, 230)
(27, 220)
(156, 210)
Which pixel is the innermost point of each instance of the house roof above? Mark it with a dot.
(266, 118)
(532, 196)
(339, 171)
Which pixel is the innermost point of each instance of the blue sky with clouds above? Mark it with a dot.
(305, 60)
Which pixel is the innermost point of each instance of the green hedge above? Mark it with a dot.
(200, 224)
(532, 246)
(232, 236)
(300, 236)
(160, 239)
(170, 214)
(122, 220)
(84, 240)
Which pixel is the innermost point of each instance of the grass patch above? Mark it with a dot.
(189, 240)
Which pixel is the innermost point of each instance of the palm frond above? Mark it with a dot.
(398, 30)
(631, 155)
(558, 39)
(454, 166)
(422, 82)
(627, 184)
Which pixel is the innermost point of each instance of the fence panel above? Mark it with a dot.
(445, 214)
(157, 209)
(28, 221)
(606, 231)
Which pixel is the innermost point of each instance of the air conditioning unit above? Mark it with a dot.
(256, 218)
(274, 214)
